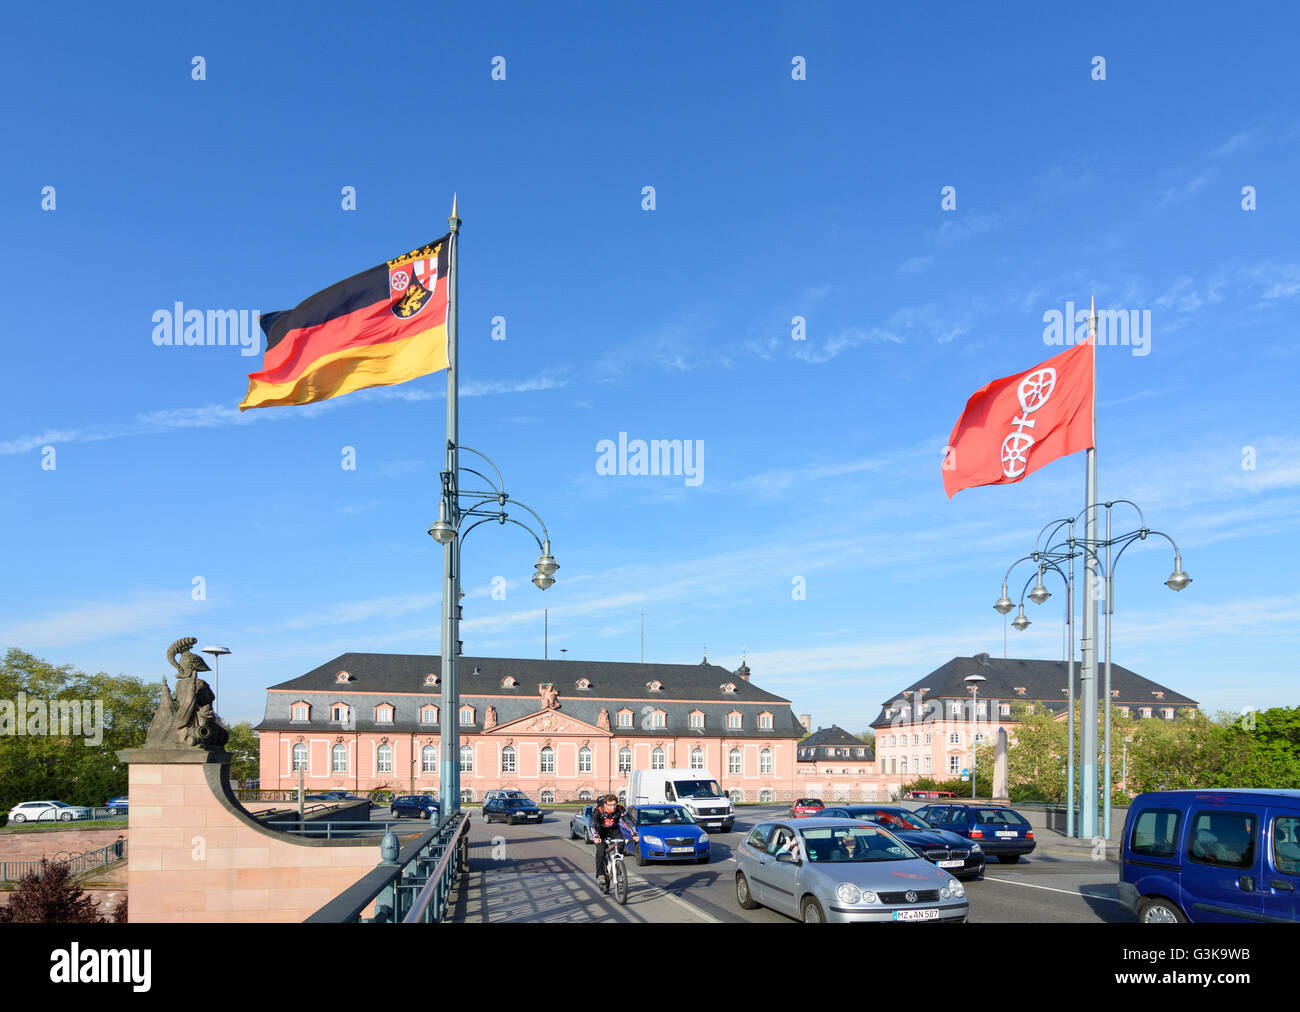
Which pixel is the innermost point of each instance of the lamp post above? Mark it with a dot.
(217, 653)
(1090, 550)
(459, 512)
(974, 682)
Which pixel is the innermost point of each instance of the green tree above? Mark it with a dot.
(244, 752)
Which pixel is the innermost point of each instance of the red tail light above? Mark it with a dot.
(1029, 835)
(976, 834)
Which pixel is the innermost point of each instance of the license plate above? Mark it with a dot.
(951, 864)
(1007, 832)
(683, 850)
(929, 914)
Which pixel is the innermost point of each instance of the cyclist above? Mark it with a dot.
(605, 827)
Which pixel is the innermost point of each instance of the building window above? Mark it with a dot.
(624, 718)
(466, 795)
(584, 795)
(893, 765)
(299, 758)
(765, 722)
(383, 714)
(893, 739)
(861, 753)
(954, 764)
(584, 683)
(927, 764)
(1005, 709)
(697, 758)
(733, 762)
(954, 709)
(1169, 713)
(1124, 710)
(765, 797)
(508, 759)
(339, 754)
(929, 739)
(697, 720)
(765, 762)
(733, 721)
(300, 711)
(466, 759)
(584, 760)
(429, 715)
(954, 738)
(429, 759)
(657, 718)
(339, 714)
(654, 686)
(384, 759)
(548, 760)
(466, 717)
(509, 682)
(657, 760)
(981, 709)
(1146, 711)
(979, 739)
(903, 768)
(548, 797)
(625, 760)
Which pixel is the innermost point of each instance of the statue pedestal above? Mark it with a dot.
(196, 855)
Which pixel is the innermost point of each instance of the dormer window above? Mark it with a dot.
(1158, 694)
(384, 713)
(733, 721)
(697, 720)
(1020, 690)
(509, 682)
(301, 711)
(1169, 713)
(467, 716)
(339, 713)
(584, 683)
(765, 722)
(430, 679)
(624, 718)
(1146, 711)
(654, 686)
(428, 714)
(342, 676)
(728, 687)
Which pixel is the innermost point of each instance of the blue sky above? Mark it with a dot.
(775, 198)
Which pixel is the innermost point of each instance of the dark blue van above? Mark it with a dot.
(1222, 855)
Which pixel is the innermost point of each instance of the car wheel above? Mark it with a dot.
(510, 820)
(572, 835)
(743, 895)
(1158, 910)
(1009, 858)
(640, 858)
(20, 818)
(65, 816)
(810, 911)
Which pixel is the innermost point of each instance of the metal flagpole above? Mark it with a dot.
(1071, 825)
(1088, 681)
(450, 723)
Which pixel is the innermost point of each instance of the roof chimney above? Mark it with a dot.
(806, 720)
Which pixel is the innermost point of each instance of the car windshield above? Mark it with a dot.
(808, 802)
(999, 817)
(890, 818)
(857, 844)
(697, 788)
(667, 816)
(518, 803)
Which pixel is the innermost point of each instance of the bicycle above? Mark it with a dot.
(615, 870)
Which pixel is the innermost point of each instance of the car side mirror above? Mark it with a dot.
(786, 857)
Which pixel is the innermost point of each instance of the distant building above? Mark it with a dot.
(932, 726)
(368, 721)
(836, 765)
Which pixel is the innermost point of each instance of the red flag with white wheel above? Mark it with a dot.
(1013, 426)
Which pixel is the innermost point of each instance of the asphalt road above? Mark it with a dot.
(1042, 888)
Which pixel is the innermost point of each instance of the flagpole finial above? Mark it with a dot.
(454, 220)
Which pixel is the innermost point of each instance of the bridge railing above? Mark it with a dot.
(437, 856)
(77, 864)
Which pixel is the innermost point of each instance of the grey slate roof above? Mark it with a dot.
(1044, 682)
(822, 743)
(399, 679)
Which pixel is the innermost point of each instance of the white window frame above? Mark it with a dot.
(382, 766)
(546, 760)
(466, 759)
(509, 760)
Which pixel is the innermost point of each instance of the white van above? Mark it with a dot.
(696, 790)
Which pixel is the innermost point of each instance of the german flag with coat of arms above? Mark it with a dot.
(383, 326)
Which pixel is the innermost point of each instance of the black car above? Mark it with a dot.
(512, 810)
(954, 853)
(1001, 832)
(418, 805)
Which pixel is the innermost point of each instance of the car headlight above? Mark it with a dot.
(654, 841)
(957, 889)
(976, 848)
(704, 838)
(945, 892)
(869, 897)
(848, 893)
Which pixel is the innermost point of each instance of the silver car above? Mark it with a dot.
(819, 869)
(580, 824)
(47, 811)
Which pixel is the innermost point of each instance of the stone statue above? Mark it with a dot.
(491, 719)
(1000, 792)
(186, 720)
(602, 721)
(550, 696)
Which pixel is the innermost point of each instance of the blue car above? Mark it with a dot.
(418, 805)
(1226, 856)
(1001, 833)
(664, 833)
(512, 810)
(117, 805)
(961, 857)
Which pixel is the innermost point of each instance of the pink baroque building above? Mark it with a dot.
(557, 730)
(932, 726)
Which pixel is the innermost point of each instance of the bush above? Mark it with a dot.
(1029, 792)
(49, 896)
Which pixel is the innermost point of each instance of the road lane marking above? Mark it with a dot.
(1068, 892)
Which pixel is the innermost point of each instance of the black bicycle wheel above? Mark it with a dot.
(620, 882)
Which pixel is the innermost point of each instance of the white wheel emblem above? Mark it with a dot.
(400, 280)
